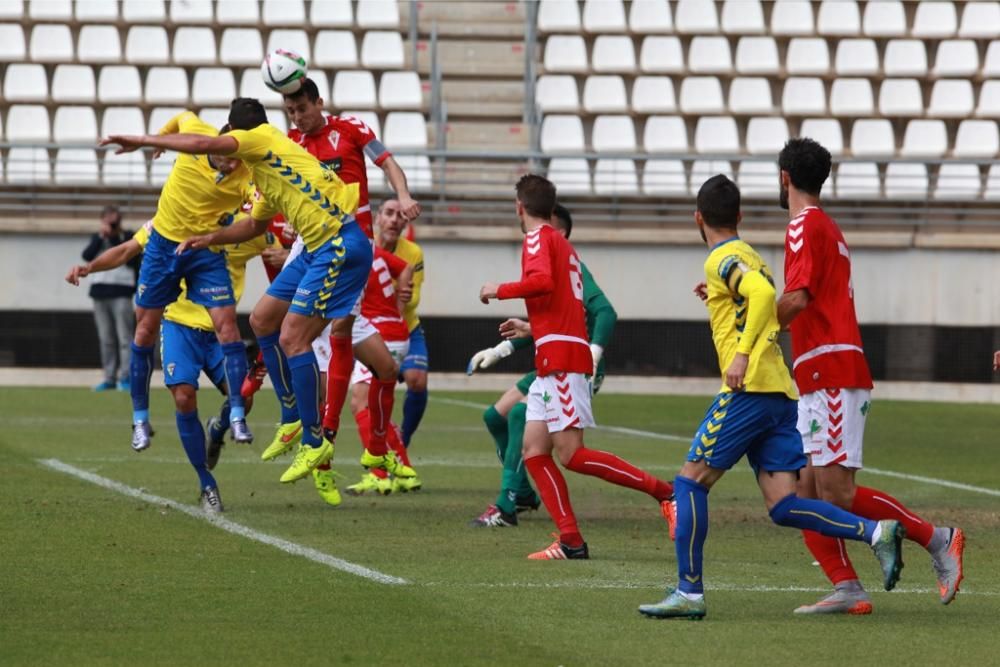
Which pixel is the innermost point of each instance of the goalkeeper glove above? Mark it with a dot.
(596, 351)
(489, 356)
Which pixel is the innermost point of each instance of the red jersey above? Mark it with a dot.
(552, 288)
(826, 341)
(342, 144)
(379, 302)
(285, 235)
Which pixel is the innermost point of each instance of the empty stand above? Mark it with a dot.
(400, 90)
(556, 93)
(803, 96)
(925, 138)
(958, 181)
(702, 170)
(664, 178)
(905, 57)
(604, 16)
(750, 95)
(167, 85)
(951, 98)
(335, 48)
(653, 94)
(194, 46)
(977, 139)
(792, 17)
(28, 165)
(147, 45)
(935, 19)
(291, 40)
(613, 53)
(716, 135)
(696, 17)
(144, 11)
(613, 134)
(99, 44)
(840, 18)
(76, 166)
(25, 83)
(51, 43)
(661, 55)
(989, 100)
(757, 179)
(808, 55)
(766, 136)
(331, 13)
(354, 89)
(240, 12)
(284, 13)
(856, 57)
(905, 180)
(742, 17)
(615, 177)
(566, 53)
(123, 120)
(127, 169)
(980, 19)
(11, 43)
(885, 18)
(213, 86)
(665, 134)
(857, 180)
(570, 175)
(191, 11)
(872, 137)
(956, 57)
(702, 94)
(757, 55)
(826, 131)
(558, 16)
(74, 83)
(900, 97)
(50, 10)
(252, 85)
(243, 46)
(378, 14)
(117, 84)
(650, 16)
(382, 50)
(604, 94)
(851, 97)
(74, 124)
(561, 134)
(96, 11)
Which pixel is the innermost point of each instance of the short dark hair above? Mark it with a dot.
(719, 202)
(537, 195)
(246, 113)
(565, 219)
(309, 89)
(807, 163)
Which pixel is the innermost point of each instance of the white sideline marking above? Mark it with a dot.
(225, 524)
(668, 436)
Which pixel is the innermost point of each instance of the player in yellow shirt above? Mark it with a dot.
(323, 283)
(755, 414)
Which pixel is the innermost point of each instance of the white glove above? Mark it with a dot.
(489, 356)
(596, 351)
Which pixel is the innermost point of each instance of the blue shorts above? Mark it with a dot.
(203, 271)
(187, 351)
(329, 281)
(762, 426)
(416, 358)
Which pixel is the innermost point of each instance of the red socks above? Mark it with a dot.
(396, 442)
(338, 379)
(612, 469)
(551, 487)
(874, 504)
(380, 399)
(831, 555)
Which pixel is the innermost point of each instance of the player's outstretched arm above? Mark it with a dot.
(408, 206)
(196, 144)
(243, 229)
(111, 258)
(489, 357)
(404, 287)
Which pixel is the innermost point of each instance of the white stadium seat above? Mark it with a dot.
(405, 129)
(977, 138)
(51, 43)
(603, 16)
(808, 55)
(885, 18)
(615, 177)
(159, 116)
(144, 11)
(716, 135)
(701, 94)
(369, 118)
(278, 118)
(650, 16)
(284, 12)
(400, 90)
(215, 116)
(96, 11)
(127, 169)
(766, 136)
(74, 83)
(665, 134)
(562, 134)
(557, 92)
(951, 98)
(194, 46)
(613, 134)
(702, 170)
(252, 85)
(239, 12)
(905, 57)
(382, 50)
(11, 43)
(851, 97)
(168, 85)
(989, 100)
(661, 55)
(980, 19)
(803, 96)
(956, 57)
(331, 13)
(905, 180)
(212, 86)
(559, 16)
(838, 17)
(50, 10)
(354, 89)
(416, 167)
(119, 84)
(958, 181)
(123, 120)
(991, 63)
(925, 138)
(318, 77)
(856, 57)
(28, 123)
(25, 83)
(826, 131)
(28, 165)
(99, 44)
(565, 53)
(664, 177)
(792, 17)
(900, 97)
(872, 137)
(742, 17)
(74, 124)
(757, 55)
(758, 179)
(242, 46)
(147, 45)
(750, 95)
(14, 9)
(653, 94)
(857, 180)
(992, 190)
(378, 14)
(605, 93)
(191, 11)
(291, 40)
(335, 48)
(613, 53)
(696, 17)
(570, 175)
(160, 168)
(76, 166)
(934, 19)
(709, 55)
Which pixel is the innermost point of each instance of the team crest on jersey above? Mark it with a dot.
(334, 138)
(170, 368)
(141, 288)
(814, 427)
(546, 397)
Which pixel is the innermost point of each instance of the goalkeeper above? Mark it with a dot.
(505, 419)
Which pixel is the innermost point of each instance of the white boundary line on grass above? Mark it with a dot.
(229, 526)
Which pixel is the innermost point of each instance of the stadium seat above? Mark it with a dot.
(74, 124)
(562, 134)
(212, 85)
(570, 175)
(856, 57)
(839, 18)
(99, 44)
(857, 180)
(991, 63)
(335, 48)
(354, 89)
(565, 53)
(194, 46)
(757, 55)
(696, 17)
(74, 83)
(14, 9)
(51, 43)
(934, 19)
(956, 57)
(292, 40)
(702, 170)
(661, 55)
(25, 83)
(925, 138)
(758, 179)
(369, 118)
(215, 116)
(977, 138)
(980, 19)
(808, 55)
(664, 177)
(123, 120)
(743, 17)
(147, 45)
(716, 135)
(144, 11)
(278, 118)
(317, 75)
(792, 17)
(613, 53)
(159, 116)
(400, 90)
(750, 95)
(615, 177)
(558, 16)
(331, 14)
(665, 134)
(900, 97)
(905, 57)
(284, 13)
(951, 98)
(160, 168)
(766, 136)
(240, 12)
(378, 14)
(872, 136)
(557, 92)
(243, 46)
(989, 100)
(11, 43)
(709, 55)
(653, 94)
(701, 94)
(958, 181)
(168, 85)
(382, 50)
(50, 10)
(76, 166)
(191, 11)
(904, 180)
(605, 93)
(992, 190)
(603, 16)
(118, 84)
(613, 134)
(252, 85)
(803, 96)
(127, 169)
(650, 16)
(28, 165)
(884, 19)
(826, 131)
(851, 97)
(405, 129)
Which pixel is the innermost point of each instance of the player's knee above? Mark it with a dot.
(358, 402)
(185, 398)
(781, 512)
(416, 381)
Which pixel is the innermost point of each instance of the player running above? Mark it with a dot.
(753, 415)
(833, 377)
(559, 398)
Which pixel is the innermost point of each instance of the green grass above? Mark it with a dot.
(91, 577)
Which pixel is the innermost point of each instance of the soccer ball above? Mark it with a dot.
(283, 71)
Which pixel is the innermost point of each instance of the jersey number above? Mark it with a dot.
(576, 277)
(381, 270)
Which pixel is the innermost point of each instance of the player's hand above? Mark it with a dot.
(996, 360)
(158, 152)
(737, 371)
(701, 291)
(515, 328)
(274, 256)
(409, 208)
(405, 292)
(194, 243)
(489, 357)
(81, 271)
(127, 143)
(597, 352)
(487, 292)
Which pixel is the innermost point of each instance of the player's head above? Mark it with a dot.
(305, 107)
(536, 197)
(246, 113)
(718, 205)
(226, 165)
(805, 166)
(562, 220)
(390, 220)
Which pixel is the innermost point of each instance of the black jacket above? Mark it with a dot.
(97, 245)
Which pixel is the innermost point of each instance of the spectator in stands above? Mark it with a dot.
(112, 294)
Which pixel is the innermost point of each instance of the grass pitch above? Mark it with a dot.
(92, 577)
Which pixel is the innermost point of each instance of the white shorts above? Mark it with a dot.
(362, 330)
(832, 425)
(561, 400)
(397, 349)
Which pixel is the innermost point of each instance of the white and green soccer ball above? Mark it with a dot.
(283, 71)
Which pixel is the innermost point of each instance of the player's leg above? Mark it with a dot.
(374, 480)
(414, 369)
(344, 335)
(323, 476)
(216, 426)
(495, 416)
(505, 420)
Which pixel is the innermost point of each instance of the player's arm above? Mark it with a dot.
(760, 296)
(791, 304)
(799, 269)
(195, 144)
(536, 279)
(408, 206)
(244, 229)
(418, 280)
(605, 317)
(111, 258)
(492, 355)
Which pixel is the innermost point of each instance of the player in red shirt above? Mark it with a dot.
(559, 399)
(835, 385)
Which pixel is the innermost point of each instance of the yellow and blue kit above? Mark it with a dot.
(416, 357)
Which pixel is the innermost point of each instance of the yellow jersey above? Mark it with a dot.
(197, 198)
(412, 254)
(190, 314)
(291, 181)
(744, 317)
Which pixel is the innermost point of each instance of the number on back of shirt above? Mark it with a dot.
(381, 270)
(576, 277)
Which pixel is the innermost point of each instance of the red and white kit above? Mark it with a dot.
(829, 362)
(379, 306)
(552, 288)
